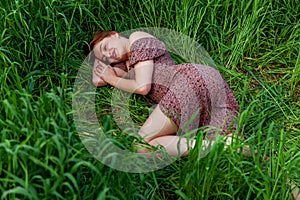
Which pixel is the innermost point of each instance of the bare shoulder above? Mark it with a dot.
(138, 35)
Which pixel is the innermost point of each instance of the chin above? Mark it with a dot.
(115, 61)
(118, 60)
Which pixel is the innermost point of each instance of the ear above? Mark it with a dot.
(115, 34)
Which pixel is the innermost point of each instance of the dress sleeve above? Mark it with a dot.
(146, 49)
(121, 65)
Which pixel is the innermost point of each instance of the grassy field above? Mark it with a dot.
(255, 45)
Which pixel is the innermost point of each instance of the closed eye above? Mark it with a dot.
(105, 60)
(104, 50)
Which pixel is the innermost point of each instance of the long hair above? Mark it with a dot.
(98, 37)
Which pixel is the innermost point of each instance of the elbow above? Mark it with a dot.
(98, 83)
(144, 90)
(95, 80)
(95, 83)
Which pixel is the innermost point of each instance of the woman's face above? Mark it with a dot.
(111, 49)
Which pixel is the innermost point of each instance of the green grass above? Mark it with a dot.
(255, 45)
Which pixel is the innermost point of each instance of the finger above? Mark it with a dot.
(98, 70)
(101, 63)
(96, 62)
(110, 68)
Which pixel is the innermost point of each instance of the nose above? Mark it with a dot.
(106, 55)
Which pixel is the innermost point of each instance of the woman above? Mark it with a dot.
(189, 96)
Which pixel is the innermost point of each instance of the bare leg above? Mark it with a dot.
(160, 130)
(174, 145)
(179, 146)
(157, 125)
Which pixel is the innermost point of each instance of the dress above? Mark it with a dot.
(191, 95)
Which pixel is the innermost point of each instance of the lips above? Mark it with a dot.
(113, 54)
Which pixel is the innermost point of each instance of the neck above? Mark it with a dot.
(126, 45)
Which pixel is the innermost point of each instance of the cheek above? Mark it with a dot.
(117, 45)
(97, 54)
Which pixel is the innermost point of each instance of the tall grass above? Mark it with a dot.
(255, 45)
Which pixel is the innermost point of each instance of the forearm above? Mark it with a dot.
(130, 85)
(141, 84)
(98, 82)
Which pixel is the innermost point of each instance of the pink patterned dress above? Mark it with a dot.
(191, 95)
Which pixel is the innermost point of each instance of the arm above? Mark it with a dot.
(143, 72)
(140, 85)
(98, 81)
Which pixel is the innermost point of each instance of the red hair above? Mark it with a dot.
(100, 35)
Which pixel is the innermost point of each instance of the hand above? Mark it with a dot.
(105, 72)
(98, 68)
(97, 81)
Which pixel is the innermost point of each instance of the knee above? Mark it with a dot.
(142, 150)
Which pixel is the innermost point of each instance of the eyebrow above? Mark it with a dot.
(100, 48)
